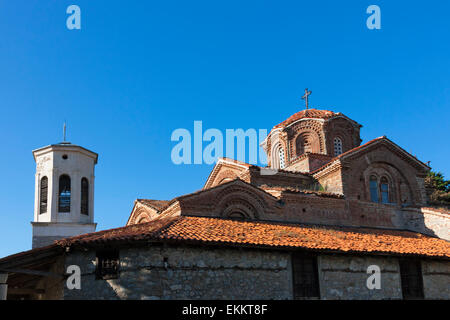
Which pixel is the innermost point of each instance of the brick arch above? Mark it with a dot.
(308, 129)
(143, 218)
(380, 170)
(275, 154)
(239, 206)
(225, 176)
(237, 199)
(307, 141)
(399, 186)
(140, 216)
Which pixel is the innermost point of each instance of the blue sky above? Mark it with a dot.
(137, 70)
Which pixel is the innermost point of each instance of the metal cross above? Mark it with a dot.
(305, 97)
(64, 132)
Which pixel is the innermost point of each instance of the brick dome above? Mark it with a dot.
(308, 113)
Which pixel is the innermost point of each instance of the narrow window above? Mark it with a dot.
(281, 157)
(305, 275)
(411, 279)
(384, 188)
(43, 196)
(337, 146)
(373, 189)
(107, 265)
(64, 194)
(84, 196)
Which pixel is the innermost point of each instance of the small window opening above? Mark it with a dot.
(337, 146)
(64, 194)
(44, 196)
(107, 265)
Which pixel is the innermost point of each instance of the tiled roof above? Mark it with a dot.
(289, 189)
(32, 254)
(219, 231)
(308, 113)
(225, 159)
(366, 145)
(346, 153)
(156, 204)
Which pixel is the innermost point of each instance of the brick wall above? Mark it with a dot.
(332, 181)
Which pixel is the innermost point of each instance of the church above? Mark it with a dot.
(324, 219)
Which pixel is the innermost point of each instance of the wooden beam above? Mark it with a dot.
(30, 258)
(24, 291)
(34, 273)
(23, 281)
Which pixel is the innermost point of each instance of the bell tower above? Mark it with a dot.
(64, 192)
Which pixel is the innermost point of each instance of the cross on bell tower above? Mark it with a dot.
(305, 97)
(64, 132)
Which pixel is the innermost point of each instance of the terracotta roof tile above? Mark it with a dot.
(156, 204)
(276, 235)
(308, 113)
(301, 191)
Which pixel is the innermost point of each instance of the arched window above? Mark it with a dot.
(64, 194)
(373, 189)
(337, 146)
(281, 157)
(43, 196)
(384, 190)
(84, 196)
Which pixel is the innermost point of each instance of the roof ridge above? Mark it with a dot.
(71, 240)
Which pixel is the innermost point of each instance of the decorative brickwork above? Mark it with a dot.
(344, 205)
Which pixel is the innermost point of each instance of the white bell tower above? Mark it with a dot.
(64, 192)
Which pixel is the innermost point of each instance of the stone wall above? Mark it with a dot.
(436, 279)
(428, 220)
(345, 277)
(190, 273)
(168, 272)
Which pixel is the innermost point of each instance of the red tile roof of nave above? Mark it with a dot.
(187, 229)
